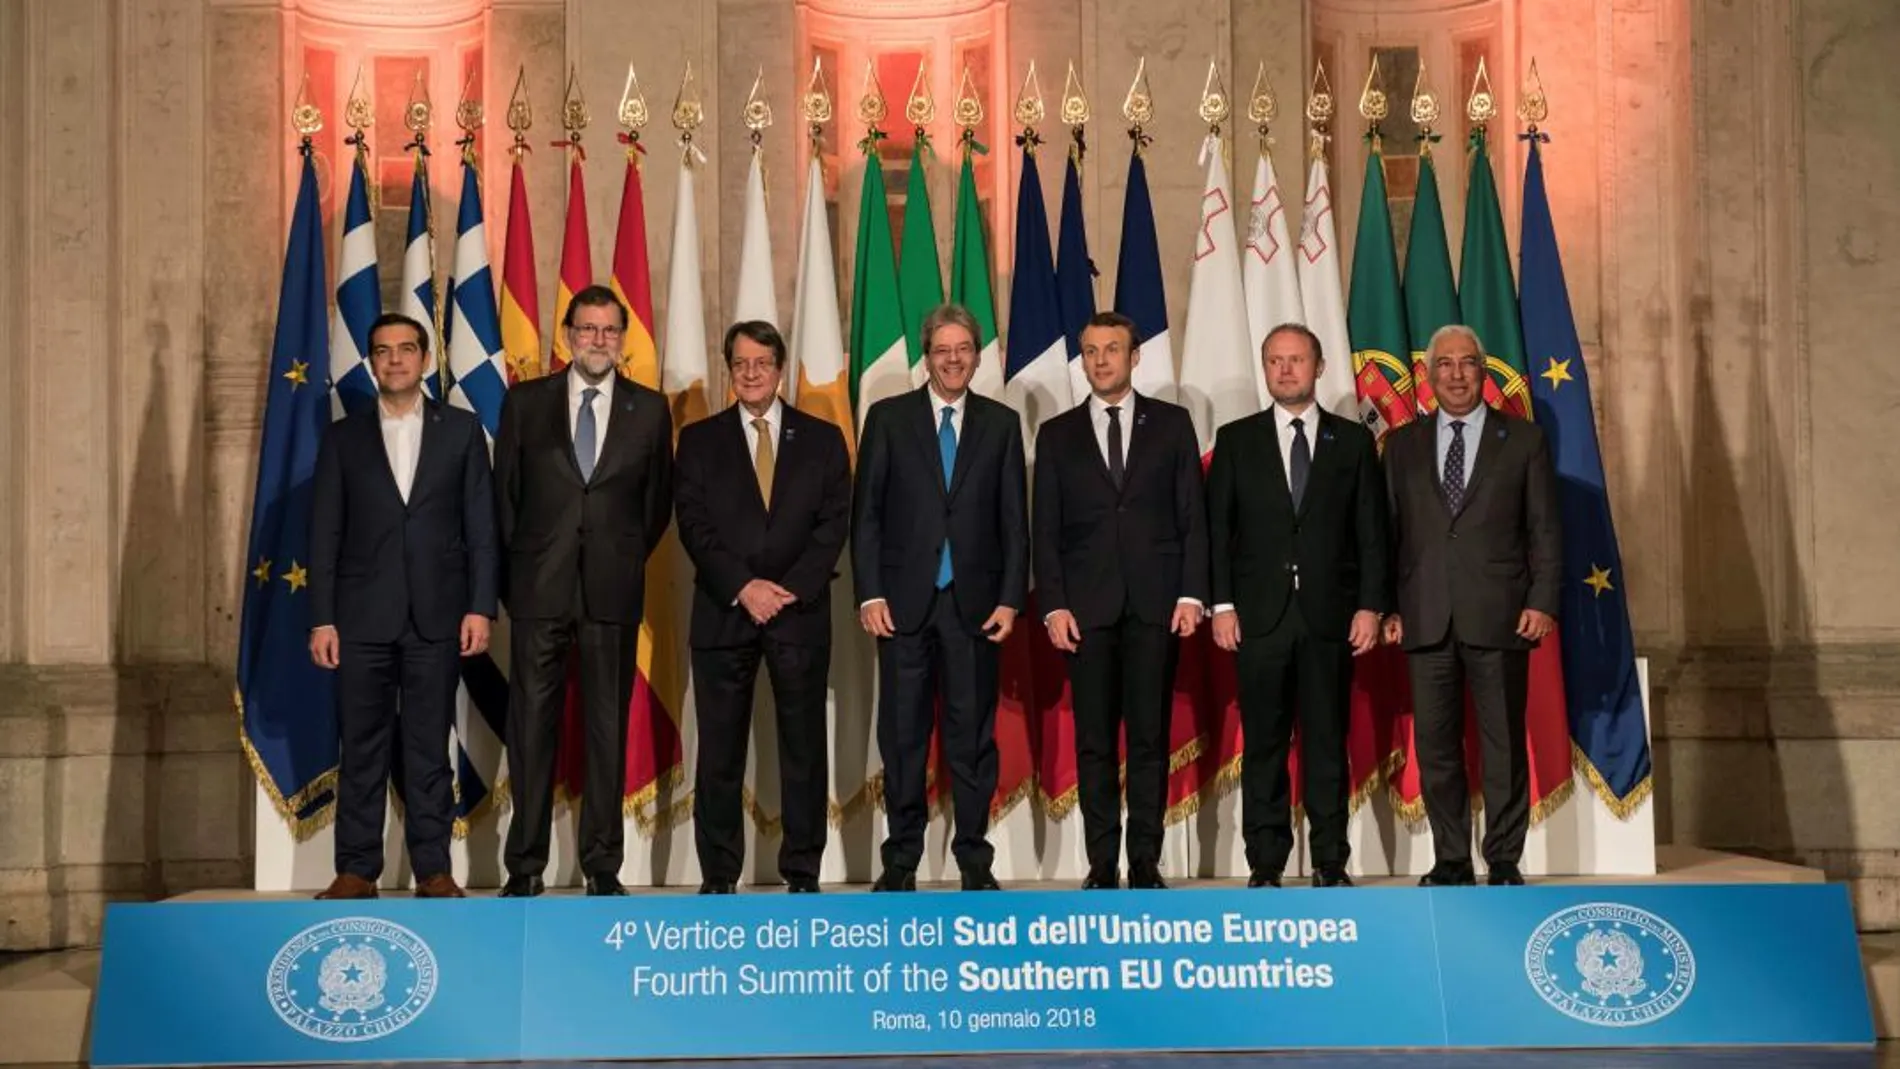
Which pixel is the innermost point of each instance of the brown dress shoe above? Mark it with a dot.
(440, 885)
(347, 886)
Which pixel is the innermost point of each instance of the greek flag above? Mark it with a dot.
(359, 300)
(418, 270)
(480, 380)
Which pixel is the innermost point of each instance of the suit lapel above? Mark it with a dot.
(924, 434)
(1324, 443)
(1141, 429)
(1083, 431)
(614, 448)
(373, 429)
(1483, 449)
(564, 427)
(975, 427)
(430, 444)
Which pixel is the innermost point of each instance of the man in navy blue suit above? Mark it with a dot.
(403, 578)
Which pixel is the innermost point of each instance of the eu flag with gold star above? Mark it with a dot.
(1607, 725)
(285, 701)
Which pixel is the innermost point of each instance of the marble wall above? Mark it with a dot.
(1721, 179)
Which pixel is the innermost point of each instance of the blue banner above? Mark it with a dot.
(765, 975)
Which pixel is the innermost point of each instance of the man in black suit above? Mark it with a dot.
(1480, 562)
(1121, 574)
(764, 502)
(402, 586)
(940, 545)
(584, 463)
(1297, 505)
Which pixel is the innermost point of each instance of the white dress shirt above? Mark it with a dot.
(774, 421)
(1283, 434)
(402, 440)
(937, 405)
(1474, 430)
(603, 408)
(1098, 418)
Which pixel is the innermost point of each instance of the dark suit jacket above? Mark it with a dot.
(1500, 554)
(377, 563)
(903, 511)
(1336, 538)
(555, 528)
(733, 539)
(1099, 550)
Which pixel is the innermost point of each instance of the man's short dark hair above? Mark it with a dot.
(1312, 339)
(1116, 319)
(397, 319)
(760, 332)
(595, 297)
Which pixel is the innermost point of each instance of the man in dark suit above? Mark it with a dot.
(1480, 560)
(1121, 574)
(940, 545)
(1297, 506)
(764, 501)
(584, 465)
(402, 586)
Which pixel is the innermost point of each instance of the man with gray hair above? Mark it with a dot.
(940, 545)
(1479, 555)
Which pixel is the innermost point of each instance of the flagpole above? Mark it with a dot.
(419, 116)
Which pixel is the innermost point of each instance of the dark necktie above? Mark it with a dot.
(1302, 464)
(1116, 464)
(1455, 466)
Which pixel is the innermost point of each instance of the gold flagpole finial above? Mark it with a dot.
(1138, 107)
(688, 114)
(520, 111)
(1215, 107)
(968, 110)
(419, 115)
(921, 107)
(1319, 109)
(633, 113)
(1425, 111)
(872, 108)
(469, 113)
(1075, 103)
(1373, 106)
(1262, 106)
(305, 117)
(1533, 107)
(1482, 106)
(358, 113)
(1030, 110)
(816, 103)
(574, 116)
(758, 113)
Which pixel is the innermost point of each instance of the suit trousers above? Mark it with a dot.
(395, 702)
(913, 670)
(1122, 677)
(723, 682)
(1290, 675)
(540, 649)
(1500, 687)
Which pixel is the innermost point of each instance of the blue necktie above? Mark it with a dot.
(947, 448)
(1302, 465)
(1455, 466)
(586, 433)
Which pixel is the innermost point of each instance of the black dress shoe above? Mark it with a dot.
(1331, 876)
(975, 879)
(895, 879)
(1505, 874)
(801, 885)
(1102, 880)
(1263, 878)
(522, 887)
(605, 887)
(1449, 876)
(718, 887)
(1146, 878)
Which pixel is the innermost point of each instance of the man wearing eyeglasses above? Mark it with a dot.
(940, 546)
(584, 490)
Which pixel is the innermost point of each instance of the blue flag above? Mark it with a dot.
(289, 717)
(1075, 273)
(1605, 701)
(1036, 368)
(1138, 291)
(418, 272)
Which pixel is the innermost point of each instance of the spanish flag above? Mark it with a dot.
(577, 263)
(520, 305)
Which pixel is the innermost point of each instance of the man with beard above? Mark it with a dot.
(584, 475)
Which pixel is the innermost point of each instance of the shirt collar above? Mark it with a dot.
(413, 414)
(1282, 419)
(773, 415)
(937, 403)
(577, 385)
(1473, 420)
(1098, 408)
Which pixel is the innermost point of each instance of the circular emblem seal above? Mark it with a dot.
(351, 979)
(1608, 964)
